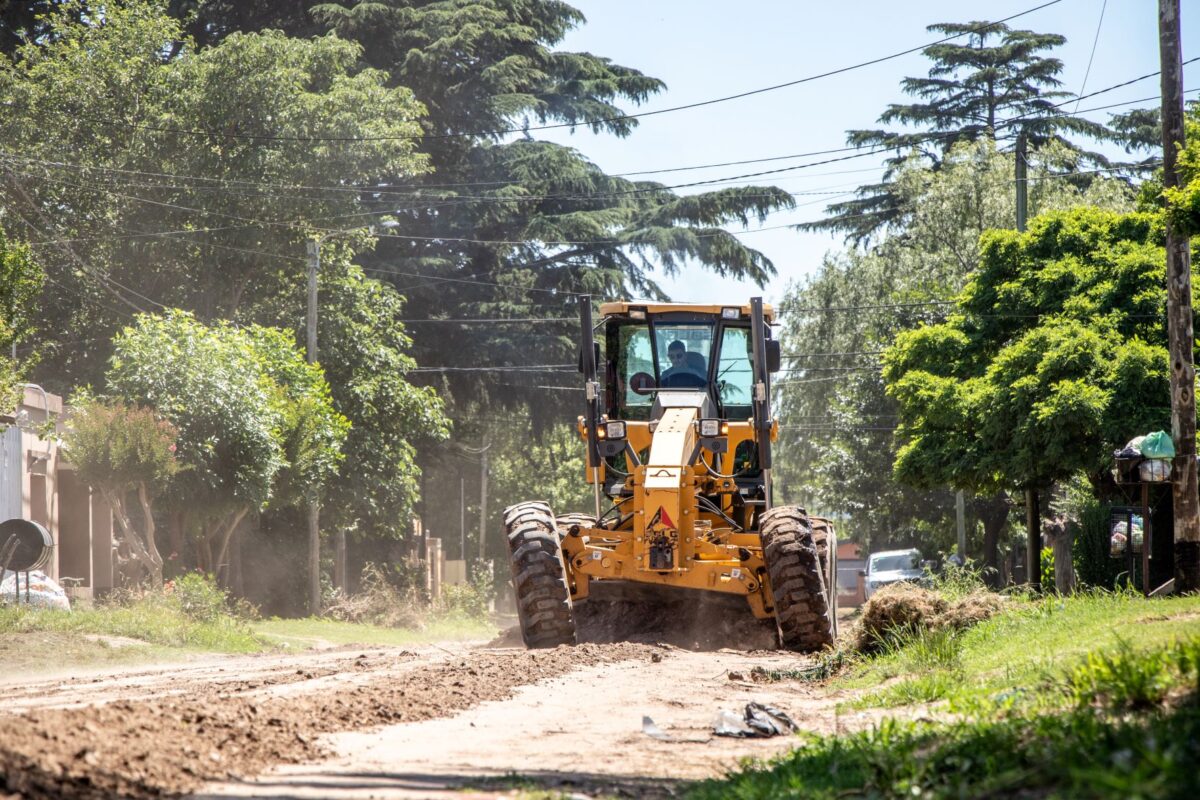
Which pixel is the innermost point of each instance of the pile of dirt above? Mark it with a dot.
(170, 745)
(905, 607)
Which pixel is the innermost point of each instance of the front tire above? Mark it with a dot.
(804, 614)
(539, 575)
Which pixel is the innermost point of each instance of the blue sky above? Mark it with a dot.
(704, 49)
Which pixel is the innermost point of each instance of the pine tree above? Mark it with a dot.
(995, 83)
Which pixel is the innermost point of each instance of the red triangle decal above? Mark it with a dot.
(666, 518)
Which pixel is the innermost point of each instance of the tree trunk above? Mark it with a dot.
(222, 535)
(1064, 567)
(993, 512)
(155, 561)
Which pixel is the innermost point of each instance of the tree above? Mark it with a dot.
(478, 235)
(361, 330)
(1047, 363)
(244, 402)
(838, 445)
(120, 450)
(191, 181)
(20, 281)
(994, 81)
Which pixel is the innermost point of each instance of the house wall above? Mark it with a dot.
(37, 483)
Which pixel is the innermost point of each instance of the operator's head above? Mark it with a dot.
(677, 353)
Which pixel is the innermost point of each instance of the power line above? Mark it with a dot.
(595, 121)
(855, 152)
(1092, 56)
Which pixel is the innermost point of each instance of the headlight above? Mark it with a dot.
(731, 313)
(711, 428)
(615, 429)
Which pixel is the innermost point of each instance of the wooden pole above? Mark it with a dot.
(1185, 489)
(1033, 517)
(314, 506)
(483, 493)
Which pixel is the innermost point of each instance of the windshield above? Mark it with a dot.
(677, 355)
(894, 562)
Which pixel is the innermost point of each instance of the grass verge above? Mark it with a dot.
(1092, 696)
(316, 632)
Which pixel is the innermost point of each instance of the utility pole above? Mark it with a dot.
(483, 480)
(960, 519)
(1033, 516)
(314, 507)
(1179, 315)
(462, 519)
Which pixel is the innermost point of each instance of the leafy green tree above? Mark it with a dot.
(121, 450)
(478, 235)
(507, 226)
(365, 356)
(994, 80)
(191, 181)
(21, 279)
(243, 401)
(1051, 359)
(837, 445)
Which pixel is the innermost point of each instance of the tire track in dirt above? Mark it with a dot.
(168, 745)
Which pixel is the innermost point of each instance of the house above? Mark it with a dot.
(38, 483)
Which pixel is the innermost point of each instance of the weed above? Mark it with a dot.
(1081, 754)
(1126, 678)
(920, 649)
(196, 616)
(828, 664)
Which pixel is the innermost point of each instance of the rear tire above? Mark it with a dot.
(804, 614)
(539, 576)
(825, 539)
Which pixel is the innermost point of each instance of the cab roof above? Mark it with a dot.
(623, 307)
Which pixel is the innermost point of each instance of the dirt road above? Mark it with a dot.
(423, 722)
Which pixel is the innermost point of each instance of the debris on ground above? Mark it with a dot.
(758, 721)
(653, 731)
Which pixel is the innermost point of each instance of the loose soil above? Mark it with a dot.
(179, 737)
(431, 721)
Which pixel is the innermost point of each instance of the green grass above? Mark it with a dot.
(310, 632)
(1093, 696)
(152, 622)
(1019, 649)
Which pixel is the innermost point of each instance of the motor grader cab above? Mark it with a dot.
(678, 433)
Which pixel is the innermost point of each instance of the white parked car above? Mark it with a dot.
(892, 566)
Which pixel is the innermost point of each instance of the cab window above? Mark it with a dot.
(735, 377)
(634, 356)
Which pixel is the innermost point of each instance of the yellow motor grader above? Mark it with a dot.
(678, 433)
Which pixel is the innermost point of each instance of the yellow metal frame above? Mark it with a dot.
(662, 503)
(622, 307)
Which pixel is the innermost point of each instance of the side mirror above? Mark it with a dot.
(774, 355)
(862, 573)
(596, 360)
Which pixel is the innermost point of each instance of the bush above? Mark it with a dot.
(199, 597)
(468, 601)
(388, 598)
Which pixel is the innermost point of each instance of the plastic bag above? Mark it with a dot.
(757, 722)
(42, 591)
(1158, 445)
(1154, 470)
